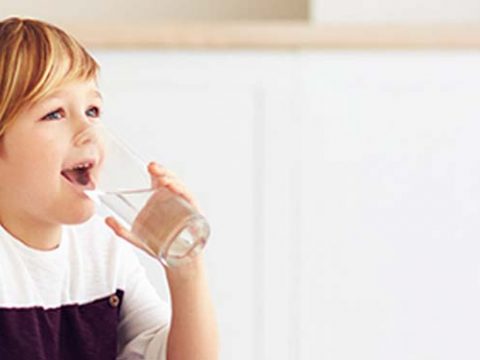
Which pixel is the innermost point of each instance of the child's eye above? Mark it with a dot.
(54, 115)
(93, 112)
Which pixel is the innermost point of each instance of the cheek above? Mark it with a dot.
(42, 163)
(39, 177)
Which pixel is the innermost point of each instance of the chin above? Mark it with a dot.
(79, 215)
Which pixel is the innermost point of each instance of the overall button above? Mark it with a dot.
(114, 300)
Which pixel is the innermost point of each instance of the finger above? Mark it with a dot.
(183, 192)
(127, 235)
(160, 176)
(159, 170)
(115, 226)
(158, 181)
(120, 230)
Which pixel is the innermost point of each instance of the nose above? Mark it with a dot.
(90, 133)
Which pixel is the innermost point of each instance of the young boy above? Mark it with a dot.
(70, 288)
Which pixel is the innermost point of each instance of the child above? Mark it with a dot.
(70, 287)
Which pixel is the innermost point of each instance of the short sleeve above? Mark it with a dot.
(144, 316)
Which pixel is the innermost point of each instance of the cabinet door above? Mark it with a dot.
(390, 204)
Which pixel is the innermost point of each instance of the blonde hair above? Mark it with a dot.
(35, 58)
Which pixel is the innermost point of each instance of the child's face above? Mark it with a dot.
(41, 143)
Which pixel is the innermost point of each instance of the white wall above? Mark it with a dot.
(342, 188)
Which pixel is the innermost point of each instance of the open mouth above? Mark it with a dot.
(80, 175)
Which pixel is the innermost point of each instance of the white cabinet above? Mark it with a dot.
(341, 187)
(205, 116)
(390, 206)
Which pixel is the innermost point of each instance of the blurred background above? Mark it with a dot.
(341, 11)
(333, 146)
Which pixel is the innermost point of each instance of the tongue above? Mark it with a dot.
(79, 177)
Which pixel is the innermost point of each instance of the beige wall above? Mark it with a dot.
(400, 11)
(148, 10)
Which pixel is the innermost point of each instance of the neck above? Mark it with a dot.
(35, 234)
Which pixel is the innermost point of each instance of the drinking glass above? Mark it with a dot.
(165, 222)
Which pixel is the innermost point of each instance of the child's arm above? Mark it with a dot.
(193, 332)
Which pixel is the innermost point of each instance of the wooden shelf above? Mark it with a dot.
(277, 35)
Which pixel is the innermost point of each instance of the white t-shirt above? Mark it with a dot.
(89, 299)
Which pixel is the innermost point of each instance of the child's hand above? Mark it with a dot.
(160, 176)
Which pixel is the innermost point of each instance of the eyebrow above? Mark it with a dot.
(93, 92)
